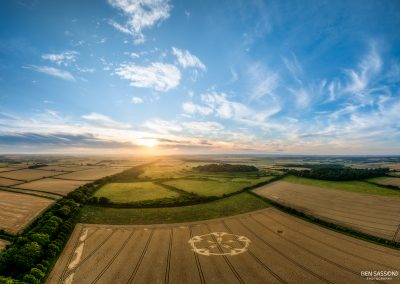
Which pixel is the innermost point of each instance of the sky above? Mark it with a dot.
(135, 77)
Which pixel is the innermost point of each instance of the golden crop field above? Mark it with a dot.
(52, 185)
(372, 214)
(27, 174)
(266, 246)
(18, 210)
(90, 174)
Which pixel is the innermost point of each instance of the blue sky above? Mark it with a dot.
(177, 77)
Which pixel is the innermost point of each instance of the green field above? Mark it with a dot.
(215, 186)
(237, 204)
(354, 186)
(134, 192)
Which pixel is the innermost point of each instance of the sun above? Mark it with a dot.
(147, 142)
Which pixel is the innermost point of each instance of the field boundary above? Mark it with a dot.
(386, 186)
(330, 225)
(33, 192)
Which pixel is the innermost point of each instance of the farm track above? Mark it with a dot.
(282, 249)
(196, 256)
(32, 192)
(361, 212)
(113, 258)
(228, 262)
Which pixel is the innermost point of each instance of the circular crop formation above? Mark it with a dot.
(219, 243)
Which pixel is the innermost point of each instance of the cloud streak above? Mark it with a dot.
(55, 72)
(104, 121)
(186, 59)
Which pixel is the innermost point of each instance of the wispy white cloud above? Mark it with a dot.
(186, 59)
(266, 86)
(334, 88)
(263, 82)
(360, 78)
(221, 106)
(52, 72)
(235, 75)
(158, 76)
(294, 67)
(192, 108)
(141, 14)
(348, 109)
(162, 126)
(85, 69)
(63, 58)
(137, 100)
(302, 97)
(105, 121)
(225, 108)
(134, 55)
(203, 126)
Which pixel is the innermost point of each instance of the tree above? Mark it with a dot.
(52, 250)
(26, 256)
(64, 211)
(29, 278)
(40, 238)
(6, 280)
(225, 168)
(39, 274)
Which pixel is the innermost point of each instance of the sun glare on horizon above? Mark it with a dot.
(147, 142)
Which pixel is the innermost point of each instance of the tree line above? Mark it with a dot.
(216, 168)
(336, 173)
